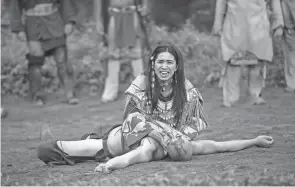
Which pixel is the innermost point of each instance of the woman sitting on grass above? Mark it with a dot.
(162, 116)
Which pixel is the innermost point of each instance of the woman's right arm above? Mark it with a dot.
(131, 106)
(135, 96)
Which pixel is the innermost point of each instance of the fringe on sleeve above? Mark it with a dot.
(193, 108)
(131, 106)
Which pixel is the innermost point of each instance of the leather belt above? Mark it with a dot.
(123, 9)
(42, 10)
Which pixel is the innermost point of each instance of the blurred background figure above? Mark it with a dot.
(45, 27)
(246, 41)
(124, 38)
(288, 12)
(4, 113)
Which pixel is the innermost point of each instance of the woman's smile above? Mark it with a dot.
(165, 66)
(164, 73)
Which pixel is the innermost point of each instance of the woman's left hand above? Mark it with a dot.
(103, 168)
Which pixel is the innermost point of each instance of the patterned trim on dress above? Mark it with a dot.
(193, 109)
(136, 92)
(193, 93)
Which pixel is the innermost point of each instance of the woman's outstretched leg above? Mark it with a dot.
(52, 151)
(88, 147)
(64, 152)
(149, 150)
(209, 146)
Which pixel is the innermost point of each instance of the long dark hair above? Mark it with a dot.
(178, 83)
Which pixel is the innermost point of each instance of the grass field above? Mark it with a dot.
(254, 166)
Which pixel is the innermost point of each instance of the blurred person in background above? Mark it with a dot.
(124, 38)
(4, 113)
(45, 28)
(246, 41)
(288, 32)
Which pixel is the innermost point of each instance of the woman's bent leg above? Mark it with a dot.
(147, 151)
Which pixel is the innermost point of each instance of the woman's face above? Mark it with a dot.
(165, 66)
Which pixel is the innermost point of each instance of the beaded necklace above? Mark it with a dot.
(166, 85)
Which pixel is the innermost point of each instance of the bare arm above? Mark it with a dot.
(202, 147)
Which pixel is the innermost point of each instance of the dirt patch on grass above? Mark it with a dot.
(254, 166)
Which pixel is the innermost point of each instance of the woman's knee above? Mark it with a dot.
(180, 149)
(114, 141)
(148, 148)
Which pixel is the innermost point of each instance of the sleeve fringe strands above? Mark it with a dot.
(193, 109)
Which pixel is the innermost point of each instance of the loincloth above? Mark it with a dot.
(124, 35)
(50, 44)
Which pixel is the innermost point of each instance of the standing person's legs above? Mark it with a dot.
(222, 74)
(256, 83)
(111, 86)
(231, 85)
(36, 60)
(137, 62)
(289, 67)
(65, 73)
